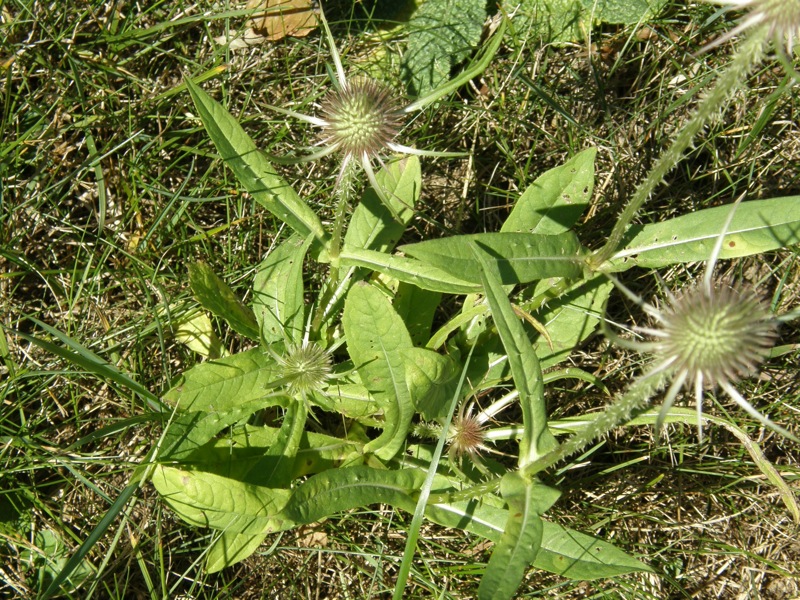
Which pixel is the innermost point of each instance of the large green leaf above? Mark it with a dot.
(417, 307)
(341, 489)
(570, 318)
(209, 500)
(443, 33)
(579, 556)
(254, 171)
(556, 200)
(214, 295)
(522, 536)
(563, 551)
(274, 469)
(278, 293)
(429, 376)
(223, 384)
(407, 270)
(525, 370)
(757, 226)
(520, 257)
(377, 340)
(372, 225)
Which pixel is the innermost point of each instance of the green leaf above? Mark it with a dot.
(341, 489)
(278, 293)
(556, 200)
(563, 551)
(520, 257)
(428, 375)
(376, 340)
(254, 171)
(570, 318)
(243, 446)
(443, 33)
(223, 384)
(417, 307)
(349, 399)
(209, 500)
(215, 296)
(230, 548)
(757, 226)
(521, 539)
(407, 270)
(579, 556)
(276, 466)
(372, 225)
(195, 330)
(525, 370)
(189, 432)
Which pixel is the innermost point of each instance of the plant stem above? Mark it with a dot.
(710, 107)
(344, 192)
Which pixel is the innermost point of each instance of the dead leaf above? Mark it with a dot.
(277, 19)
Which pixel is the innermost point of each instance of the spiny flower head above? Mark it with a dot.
(779, 18)
(709, 337)
(360, 120)
(304, 368)
(714, 335)
(466, 435)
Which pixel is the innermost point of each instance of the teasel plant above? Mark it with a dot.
(709, 336)
(766, 22)
(360, 119)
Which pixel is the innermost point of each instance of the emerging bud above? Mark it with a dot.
(304, 368)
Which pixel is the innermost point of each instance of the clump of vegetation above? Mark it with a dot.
(427, 348)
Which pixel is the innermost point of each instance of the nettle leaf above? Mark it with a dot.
(224, 384)
(520, 257)
(372, 225)
(556, 200)
(278, 293)
(209, 500)
(443, 33)
(254, 171)
(522, 536)
(559, 21)
(214, 295)
(757, 226)
(376, 340)
(350, 487)
(407, 270)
